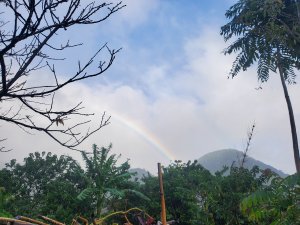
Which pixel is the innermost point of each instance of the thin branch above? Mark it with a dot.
(24, 49)
(249, 139)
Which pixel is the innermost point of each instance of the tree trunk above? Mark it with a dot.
(292, 120)
(99, 205)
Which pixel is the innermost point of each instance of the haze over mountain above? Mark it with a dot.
(139, 173)
(216, 160)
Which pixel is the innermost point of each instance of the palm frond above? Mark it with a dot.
(86, 193)
(115, 192)
(138, 194)
(263, 70)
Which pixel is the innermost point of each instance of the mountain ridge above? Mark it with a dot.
(216, 160)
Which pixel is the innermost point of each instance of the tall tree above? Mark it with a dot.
(45, 184)
(30, 51)
(266, 32)
(106, 178)
(185, 186)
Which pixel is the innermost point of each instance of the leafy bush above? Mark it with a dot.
(278, 203)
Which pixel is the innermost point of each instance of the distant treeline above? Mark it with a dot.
(58, 187)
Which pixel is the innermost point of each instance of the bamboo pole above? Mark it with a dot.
(10, 220)
(27, 219)
(162, 197)
(51, 220)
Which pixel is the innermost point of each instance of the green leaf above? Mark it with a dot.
(86, 193)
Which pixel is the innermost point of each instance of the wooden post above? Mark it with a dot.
(162, 197)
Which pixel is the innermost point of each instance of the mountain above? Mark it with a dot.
(139, 173)
(215, 161)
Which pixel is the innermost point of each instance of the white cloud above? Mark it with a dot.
(135, 13)
(231, 105)
(189, 112)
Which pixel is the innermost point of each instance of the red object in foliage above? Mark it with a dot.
(149, 221)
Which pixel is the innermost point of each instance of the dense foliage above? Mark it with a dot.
(195, 196)
(276, 204)
(57, 186)
(107, 181)
(267, 32)
(44, 184)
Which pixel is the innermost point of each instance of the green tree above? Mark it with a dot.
(4, 199)
(106, 179)
(188, 183)
(277, 203)
(266, 32)
(194, 196)
(226, 193)
(186, 186)
(45, 184)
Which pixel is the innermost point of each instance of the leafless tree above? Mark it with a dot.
(250, 133)
(27, 30)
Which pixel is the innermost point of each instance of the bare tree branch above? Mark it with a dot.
(2, 148)
(26, 48)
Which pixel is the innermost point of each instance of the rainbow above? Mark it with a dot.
(146, 135)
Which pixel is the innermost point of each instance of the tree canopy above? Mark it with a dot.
(264, 29)
(266, 32)
(57, 187)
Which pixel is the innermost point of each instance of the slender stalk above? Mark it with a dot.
(162, 197)
(292, 119)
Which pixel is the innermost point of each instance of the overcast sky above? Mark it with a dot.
(168, 92)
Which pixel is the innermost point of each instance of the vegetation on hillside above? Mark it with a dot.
(58, 187)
